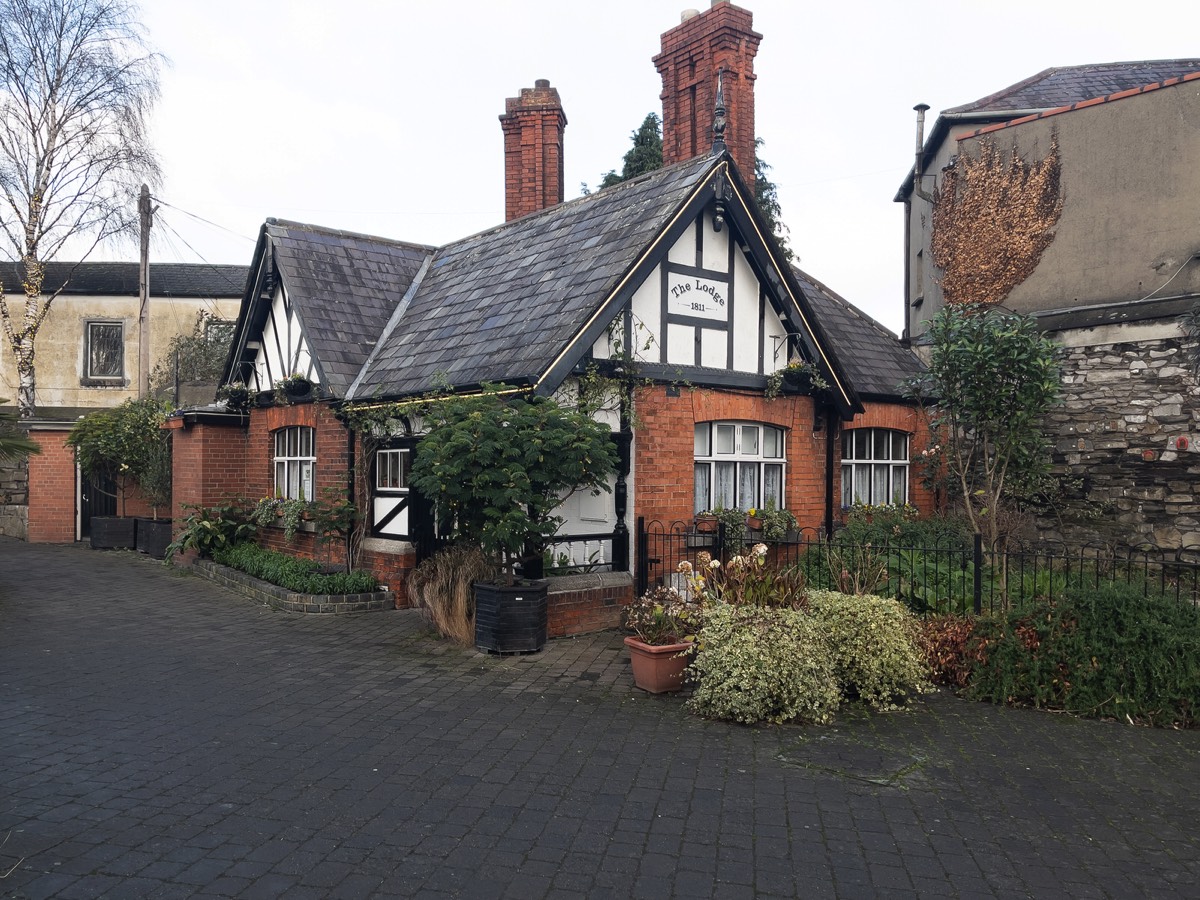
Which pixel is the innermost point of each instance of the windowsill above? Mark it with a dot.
(103, 382)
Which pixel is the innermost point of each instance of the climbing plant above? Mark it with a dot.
(993, 217)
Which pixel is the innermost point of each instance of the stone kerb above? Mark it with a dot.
(290, 601)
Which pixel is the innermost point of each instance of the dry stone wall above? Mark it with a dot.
(1128, 437)
(14, 498)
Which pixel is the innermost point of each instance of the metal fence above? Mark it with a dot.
(949, 576)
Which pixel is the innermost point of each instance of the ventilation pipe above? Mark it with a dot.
(917, 173)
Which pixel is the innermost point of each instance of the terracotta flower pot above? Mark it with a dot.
(658, 669)
(754, 523)
(706, 524)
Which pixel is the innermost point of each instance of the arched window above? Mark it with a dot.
(738, 465)
(295, 456)
(874, 466)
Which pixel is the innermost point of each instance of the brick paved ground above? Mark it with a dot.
(162, 737)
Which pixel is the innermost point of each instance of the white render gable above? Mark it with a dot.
(702, 306)
(282, 350)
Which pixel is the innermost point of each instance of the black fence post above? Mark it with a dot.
(978, 563)
(620, 548)
(642, 575)
(720, 548)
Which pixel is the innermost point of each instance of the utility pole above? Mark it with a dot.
(146, 217)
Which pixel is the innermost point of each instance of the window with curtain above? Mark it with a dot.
(738, 465)
(874, 466)
(295, 458)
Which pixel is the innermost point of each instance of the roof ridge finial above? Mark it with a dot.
(719, 122)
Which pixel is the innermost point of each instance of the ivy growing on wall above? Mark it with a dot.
(993, 217)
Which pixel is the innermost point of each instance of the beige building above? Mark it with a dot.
(1074, 196)
(87, 358)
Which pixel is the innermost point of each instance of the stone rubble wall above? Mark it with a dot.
(1128, 431)
(14, 498)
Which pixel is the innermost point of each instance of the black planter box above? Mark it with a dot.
(153, 536)
(510, 618)
(113, 532)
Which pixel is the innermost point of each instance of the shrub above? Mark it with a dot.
(442, 587)
(944, 641)
(208, 529)
(874, 646)
(300, 575)
(1105, 651)
(762, 664)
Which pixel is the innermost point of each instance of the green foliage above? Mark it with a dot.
(734, 520)
(1107, 651)
(209, 529)
(497, 469)
(767, 196)
(443, 587)
(13, 444)
(874, 644)
(197, 357)
(776, 523)
(758, 663)
(992, 377)
(300, 575)
(127, 444)
(662, 616)
(646, 154)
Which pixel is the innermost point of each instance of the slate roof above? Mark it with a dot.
(121, 278)
(502, 304)
(345, 286)
(1064, 85)
(870, 354)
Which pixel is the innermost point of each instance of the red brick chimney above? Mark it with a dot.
(533, 126)
(692, 52)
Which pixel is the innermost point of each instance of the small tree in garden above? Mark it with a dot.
(498, 467)
(128, 445)
(992, 377)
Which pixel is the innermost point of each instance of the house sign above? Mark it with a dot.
(697, 298)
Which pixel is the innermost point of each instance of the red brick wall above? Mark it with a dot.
(901, 418)
(664, 448)
(692, 52)
(586, 609)
(533, 125)
(51, 489)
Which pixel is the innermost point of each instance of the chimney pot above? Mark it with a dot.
(542, 83)
(688, 14)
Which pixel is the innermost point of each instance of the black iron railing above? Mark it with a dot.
(951, 575)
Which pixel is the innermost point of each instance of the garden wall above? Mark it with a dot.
(1128, 434)
(14, 497)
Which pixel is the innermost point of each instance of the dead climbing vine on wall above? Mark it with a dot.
(993, 216)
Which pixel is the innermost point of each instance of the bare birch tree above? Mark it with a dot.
(78, 83)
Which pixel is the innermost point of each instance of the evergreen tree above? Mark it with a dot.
(644, 156)
(767, 196)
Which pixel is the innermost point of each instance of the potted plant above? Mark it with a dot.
(295, 386)
(236, 396)
(706, 522)
(664, 626)
(154, 480)
(127, 445)
(775, 523)
(498, 467)
(754, 521)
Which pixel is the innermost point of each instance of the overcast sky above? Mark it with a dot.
(381, 117)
